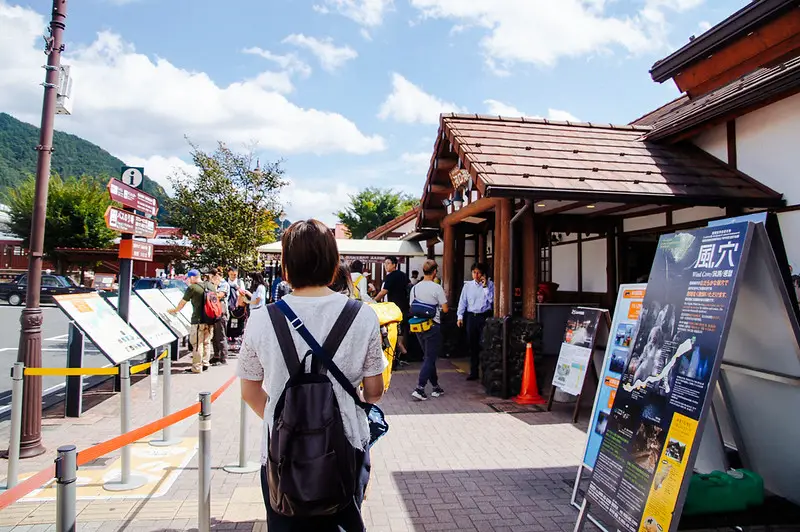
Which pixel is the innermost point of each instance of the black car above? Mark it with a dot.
(52, 285)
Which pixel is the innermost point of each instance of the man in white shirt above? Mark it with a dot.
(429, 293)
(474, 306)
(360, 282)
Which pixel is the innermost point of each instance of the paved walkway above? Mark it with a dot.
(452, 463)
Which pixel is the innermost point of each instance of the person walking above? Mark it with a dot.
(474, 306)
(220, 335)
(310, 260)
(395, 289)
(343, 282)
(201, 333)
(429, 330)
(360, 283)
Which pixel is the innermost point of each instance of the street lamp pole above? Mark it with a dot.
(30, 340)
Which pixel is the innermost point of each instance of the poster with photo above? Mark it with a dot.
(146, 323)
(161, 306)
(623, 327)
(655, 419)
(100, 322)
(576, 349)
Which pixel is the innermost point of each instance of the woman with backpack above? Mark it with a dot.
(360, 283)
(324, 467)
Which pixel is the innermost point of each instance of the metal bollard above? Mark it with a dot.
(166, 434)
(204, 466)
(66, 488)
(17, 371)
(126, 480)
(243, 466)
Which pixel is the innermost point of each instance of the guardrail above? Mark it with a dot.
(68, 460)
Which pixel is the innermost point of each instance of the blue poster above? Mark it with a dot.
(621, 337)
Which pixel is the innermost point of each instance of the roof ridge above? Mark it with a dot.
(545, 121)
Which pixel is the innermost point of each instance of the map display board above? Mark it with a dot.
(576, 349)
(623, 331)
(100, 322)
(147, 324)
(649, 447)
(161, 306)
(175, 295)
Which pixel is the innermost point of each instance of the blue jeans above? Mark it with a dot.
(431, 342)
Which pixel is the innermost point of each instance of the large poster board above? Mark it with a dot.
(576, 349)
(100, 322)
(649, 446)
(623, 330)
(146, 323)
(175, 295)
(161, 306)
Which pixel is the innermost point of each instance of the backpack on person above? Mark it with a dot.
(356, 291)
(211, 310)
(311, 469)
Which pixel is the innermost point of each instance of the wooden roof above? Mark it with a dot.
(393, 224)
(583, 162)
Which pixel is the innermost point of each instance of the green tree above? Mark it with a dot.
(75, 213)
(228, 209)
(373, 207)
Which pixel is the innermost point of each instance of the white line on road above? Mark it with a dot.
(56, 338)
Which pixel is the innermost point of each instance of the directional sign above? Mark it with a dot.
(132, 175)
(127, 222)
(132, 197)
(136, 250)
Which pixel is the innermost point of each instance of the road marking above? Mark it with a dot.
(56, 338)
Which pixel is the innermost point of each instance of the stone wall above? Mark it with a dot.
(521, 332)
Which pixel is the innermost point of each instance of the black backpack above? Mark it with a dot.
(311, 469)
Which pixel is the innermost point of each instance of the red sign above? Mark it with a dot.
(136, 250)
(132, 197)
(127, 222)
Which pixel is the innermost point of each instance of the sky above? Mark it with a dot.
(347, 93)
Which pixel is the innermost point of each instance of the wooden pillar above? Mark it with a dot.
(580, 264)
(448, 260)
(458, 271)
(480, 249)
(530, 265)
(611, 270)
(502, 247)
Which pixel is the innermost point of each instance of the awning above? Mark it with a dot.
(360, 249)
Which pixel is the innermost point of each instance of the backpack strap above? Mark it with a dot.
(338, 332)
(285, 341)
(349, 313)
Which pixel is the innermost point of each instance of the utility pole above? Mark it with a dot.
(30, 340)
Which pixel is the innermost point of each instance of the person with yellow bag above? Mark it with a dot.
(427, 302)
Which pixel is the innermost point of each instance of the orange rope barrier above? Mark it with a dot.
(92, 453)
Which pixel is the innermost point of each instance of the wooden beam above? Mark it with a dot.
(439, 189)
(731, 131)
(530, 265)
(611, 268)
(501, 255)
(614, 210)
(477, 207)
(448, 256)
(565, 208)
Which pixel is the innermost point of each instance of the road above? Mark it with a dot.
(55, 329)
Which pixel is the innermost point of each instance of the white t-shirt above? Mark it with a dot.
(362, 285)
(261, 295)
(360, 355)
(430, 293)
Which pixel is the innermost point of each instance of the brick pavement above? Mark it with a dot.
(452, 463)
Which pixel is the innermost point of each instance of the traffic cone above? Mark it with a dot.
(529, 394)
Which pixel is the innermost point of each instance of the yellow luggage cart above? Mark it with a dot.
(389, 316)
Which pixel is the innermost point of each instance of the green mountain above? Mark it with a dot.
(73, 156)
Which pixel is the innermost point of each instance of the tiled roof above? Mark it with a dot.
(394, 223)
(762, 85)
(654, 116)
(596, 162)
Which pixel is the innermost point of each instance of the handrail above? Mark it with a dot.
(96, 451)
(77, 372)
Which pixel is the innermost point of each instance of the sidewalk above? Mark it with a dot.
(452, 463)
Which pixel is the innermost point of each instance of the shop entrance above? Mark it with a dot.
(638, 252)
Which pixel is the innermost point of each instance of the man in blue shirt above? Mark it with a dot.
(474, 306)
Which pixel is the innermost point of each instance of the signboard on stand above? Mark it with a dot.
(132, 197)
(160, 305)
(623, 331)
(575, 355)
(129, 223)
(648, 449)
(146, 323)
(99, 321)
(175, 295)
(136, 250)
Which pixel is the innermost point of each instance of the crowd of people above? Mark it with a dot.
(310, 322)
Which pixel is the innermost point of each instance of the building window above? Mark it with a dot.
(545, 264)
(18, 251)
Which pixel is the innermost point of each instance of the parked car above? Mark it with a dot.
(52, 285)
(143, 283)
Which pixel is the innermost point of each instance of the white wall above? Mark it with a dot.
(594, 262)
(693, 214)
(715, 142)
(565, 267)
(644, 222)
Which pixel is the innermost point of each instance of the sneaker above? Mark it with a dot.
(419, 395)
(437, 392)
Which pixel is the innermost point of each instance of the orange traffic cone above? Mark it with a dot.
(529, 394)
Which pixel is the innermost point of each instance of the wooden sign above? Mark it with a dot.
(132, 197)
(136, 250)
(127, 222)
(459, 177)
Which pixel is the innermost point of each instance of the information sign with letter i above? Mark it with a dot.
(653, 428)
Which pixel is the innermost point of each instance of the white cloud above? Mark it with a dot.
(368, 13)
(416, 164)
(330, 56)
(130, 103)
(557, 114)
(704, 25)
(542, 32)
(410, 104)
(289, 62)
(315, 199)
(160, 168)
(499, 108)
